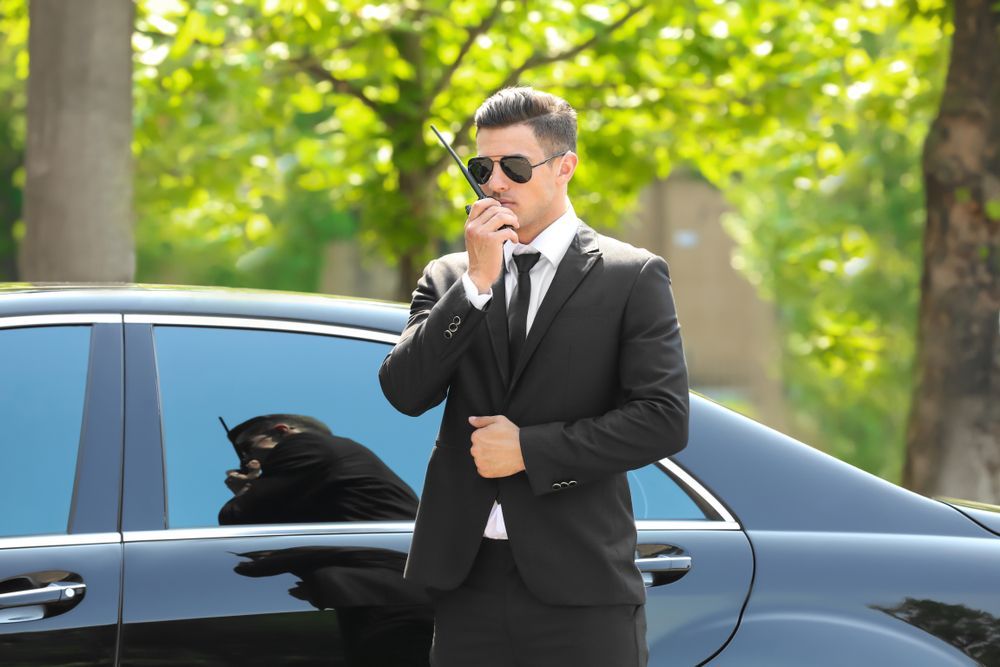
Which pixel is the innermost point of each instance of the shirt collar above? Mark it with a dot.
(552, 242)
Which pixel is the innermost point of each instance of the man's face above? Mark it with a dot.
(257, 447)
(539, 201)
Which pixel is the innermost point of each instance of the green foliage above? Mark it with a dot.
(219, 155)
(266, 128)
(331, 102)
(13, 73)
(993, 210)
(830, 214)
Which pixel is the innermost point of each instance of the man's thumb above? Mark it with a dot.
(480, 422)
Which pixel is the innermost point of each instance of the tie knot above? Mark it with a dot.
(525, 261)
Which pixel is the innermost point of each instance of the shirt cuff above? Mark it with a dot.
(478, 300)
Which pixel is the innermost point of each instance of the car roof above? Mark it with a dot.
(26, 299)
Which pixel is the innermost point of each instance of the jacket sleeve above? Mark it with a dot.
(416, 373)
(651, 421)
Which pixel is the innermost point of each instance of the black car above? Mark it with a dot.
(756, 549)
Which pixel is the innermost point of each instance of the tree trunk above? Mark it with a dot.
(953, 436)
(78, 191)
(416, 190)
(406, 277)
(10, 212)
(11, 159)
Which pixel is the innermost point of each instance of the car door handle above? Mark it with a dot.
(55, 592)
(663, 563)
(664, 569)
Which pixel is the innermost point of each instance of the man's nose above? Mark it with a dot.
(498, 181)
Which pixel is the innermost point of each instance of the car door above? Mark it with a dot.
(290, 593)
(696, 561)
(332, 593)
(60, 549)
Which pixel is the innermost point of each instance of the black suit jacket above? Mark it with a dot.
(310, 477)
(600, 389)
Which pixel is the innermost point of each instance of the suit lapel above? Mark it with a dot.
(581, 256)
(496, 322)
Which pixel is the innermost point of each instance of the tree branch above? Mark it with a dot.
(470, 39)
(535, 60)
(538, 60)
(309, 65)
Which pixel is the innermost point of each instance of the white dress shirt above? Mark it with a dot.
(552, 243)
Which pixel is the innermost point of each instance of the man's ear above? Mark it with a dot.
(282, 428)
(567, 167)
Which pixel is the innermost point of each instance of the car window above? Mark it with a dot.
(43, 377)
(239, 374)
(655, 495)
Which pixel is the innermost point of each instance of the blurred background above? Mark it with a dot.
(823, 177)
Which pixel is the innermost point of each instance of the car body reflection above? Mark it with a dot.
(974, 632)
(383, 619)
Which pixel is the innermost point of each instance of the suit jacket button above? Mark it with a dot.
(556, 487)
(457, 320)
(448, 334)
(453, 327)
(571, 482)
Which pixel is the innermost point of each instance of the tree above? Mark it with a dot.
(828, 204)
(78, 188)
(265, 128)
(953, 438)
(809, 116)
(332, 103)
(13, 72)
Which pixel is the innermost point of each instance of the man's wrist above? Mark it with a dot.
(481, 285)
(520, 452)
(477, 298)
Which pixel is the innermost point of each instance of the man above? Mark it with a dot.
(297, 471)
(559, 352)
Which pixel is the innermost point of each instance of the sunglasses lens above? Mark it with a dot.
(517, 168)
(481, 168)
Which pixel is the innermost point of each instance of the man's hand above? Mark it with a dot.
(496, 446)
(238, 482)
(484, 241)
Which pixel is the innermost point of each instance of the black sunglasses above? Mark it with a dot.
(517, 167)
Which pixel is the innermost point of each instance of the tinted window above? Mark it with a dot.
(655, 495)
(43, 377)
(238, 374)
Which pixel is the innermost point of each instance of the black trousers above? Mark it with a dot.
(493, 620)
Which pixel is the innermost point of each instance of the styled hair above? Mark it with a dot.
(262, 424)
(551, 118)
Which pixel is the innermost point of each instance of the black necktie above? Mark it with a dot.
(517, 312)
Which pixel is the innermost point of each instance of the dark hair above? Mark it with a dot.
(551, 118)
(259, 425)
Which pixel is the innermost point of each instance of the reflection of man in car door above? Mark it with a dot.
(384, 621)
(297, 471)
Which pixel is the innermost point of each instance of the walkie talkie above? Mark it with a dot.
(229, 436)
(465, 172)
